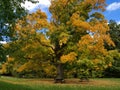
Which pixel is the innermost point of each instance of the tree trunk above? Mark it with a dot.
(60, 75)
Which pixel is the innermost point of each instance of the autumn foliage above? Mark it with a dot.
(74, 38)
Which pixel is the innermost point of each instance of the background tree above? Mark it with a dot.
(114, 70)
(114, 31)
(28, 59)
(27, 52)
(114, 34)
(10, 12)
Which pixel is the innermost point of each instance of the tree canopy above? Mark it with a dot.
(114, 34)
(74, 38)
(10, 12)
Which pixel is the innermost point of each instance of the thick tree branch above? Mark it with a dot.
(44, 44)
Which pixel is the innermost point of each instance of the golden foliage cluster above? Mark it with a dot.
(69, 57)
(70, 19)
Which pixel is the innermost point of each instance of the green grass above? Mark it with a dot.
(9, 86)
(9, 83)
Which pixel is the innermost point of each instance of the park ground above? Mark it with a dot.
(11, 83)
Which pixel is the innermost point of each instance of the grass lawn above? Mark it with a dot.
(10, 83)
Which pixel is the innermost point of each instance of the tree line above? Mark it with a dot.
(77, 42)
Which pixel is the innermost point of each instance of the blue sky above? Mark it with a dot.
(112, 9)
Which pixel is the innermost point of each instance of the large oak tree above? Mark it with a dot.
(78, 32)
(75, 35)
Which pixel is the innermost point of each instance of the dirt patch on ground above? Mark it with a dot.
(92, 82)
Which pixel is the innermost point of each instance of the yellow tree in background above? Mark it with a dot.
(29, 49)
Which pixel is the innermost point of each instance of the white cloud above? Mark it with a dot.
(31, 6)
(44, 2)
(113, 6)
(118, 22)
(3, 42)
